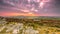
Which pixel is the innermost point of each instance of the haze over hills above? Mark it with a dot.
(33, 17)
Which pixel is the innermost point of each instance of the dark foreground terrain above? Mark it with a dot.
(29, 25)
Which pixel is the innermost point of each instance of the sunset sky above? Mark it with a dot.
(29, 7)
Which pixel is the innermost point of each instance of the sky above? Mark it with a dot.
(29, 7)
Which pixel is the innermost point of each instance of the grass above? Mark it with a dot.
(43, 26)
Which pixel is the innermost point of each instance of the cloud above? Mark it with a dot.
(4, 3)
(31, 6)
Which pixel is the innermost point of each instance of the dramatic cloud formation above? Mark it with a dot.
(30, 7)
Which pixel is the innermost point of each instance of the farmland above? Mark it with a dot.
(29, 25)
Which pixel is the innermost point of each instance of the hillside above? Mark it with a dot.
(29, 25)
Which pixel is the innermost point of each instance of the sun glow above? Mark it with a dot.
(18, 14)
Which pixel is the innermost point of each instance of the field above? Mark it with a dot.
(29, 25)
